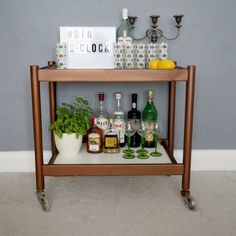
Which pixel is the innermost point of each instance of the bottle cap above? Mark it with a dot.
(118, 95)
(124, 13)
(134, 96)
(150, 94)
(111, 121)
(93, 121)
(101, 96)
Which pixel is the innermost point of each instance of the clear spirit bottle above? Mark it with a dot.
(118, 119)
(101, 114)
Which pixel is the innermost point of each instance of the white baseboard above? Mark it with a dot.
(202, 160)
(210, 159)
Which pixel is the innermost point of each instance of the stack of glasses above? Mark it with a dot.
(61, 60)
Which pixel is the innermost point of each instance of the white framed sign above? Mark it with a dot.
(89, 47)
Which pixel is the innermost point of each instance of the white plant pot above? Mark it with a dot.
(68, 144)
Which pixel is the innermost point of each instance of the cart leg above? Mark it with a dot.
(52, 105)
(171, 122)
(37, 125)
(188, 125)
(52, 97)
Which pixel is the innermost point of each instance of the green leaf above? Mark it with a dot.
(72, 118)
(59, 133)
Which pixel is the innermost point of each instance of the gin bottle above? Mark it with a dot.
(124, 30)
(149, 117)
(118, 119)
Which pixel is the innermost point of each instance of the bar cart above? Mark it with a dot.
(114, 166)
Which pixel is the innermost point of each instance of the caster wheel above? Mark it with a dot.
(189, 202)
(43, 201)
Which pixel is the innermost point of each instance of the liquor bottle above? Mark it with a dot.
(95, 138)
(111, 140)
(149, 117)
(101, 115)
(118, 119)
(124, 30)
(135, 116)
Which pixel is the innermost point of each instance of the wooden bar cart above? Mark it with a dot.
(115, 165)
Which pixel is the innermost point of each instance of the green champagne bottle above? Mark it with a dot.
(149, 117)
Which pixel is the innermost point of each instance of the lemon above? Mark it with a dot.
(153, 64)
(166, 65)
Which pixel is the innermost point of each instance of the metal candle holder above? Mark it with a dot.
(154, 33)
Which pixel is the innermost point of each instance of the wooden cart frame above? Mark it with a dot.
(52, 75)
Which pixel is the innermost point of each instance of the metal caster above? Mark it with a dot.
(43, 201)
(189, 202)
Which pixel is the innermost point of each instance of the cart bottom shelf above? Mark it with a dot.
(85, 164)
(83, 157)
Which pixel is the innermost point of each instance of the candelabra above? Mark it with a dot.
(154, 33)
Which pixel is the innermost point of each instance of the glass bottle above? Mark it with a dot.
(118, 119)
(101, 115)
(135, 117)
(149, 117)
(111, 140)
(124, 30)
(95, 138)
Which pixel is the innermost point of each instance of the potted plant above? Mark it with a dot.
(73, 121)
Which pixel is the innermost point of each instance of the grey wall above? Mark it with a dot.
(30, 29)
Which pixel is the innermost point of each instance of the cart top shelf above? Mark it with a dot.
(51, 74)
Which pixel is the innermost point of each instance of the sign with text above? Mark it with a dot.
(89, 47)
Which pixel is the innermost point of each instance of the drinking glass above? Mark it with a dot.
(142, 132)
(129, 132)
(156, 131)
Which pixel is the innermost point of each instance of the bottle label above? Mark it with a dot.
(119, 125)
(135, 123)
(134, 105)
(94, 141)
(102, 123)
(149, 126)
(149, 137)
(125, 40)
(111, 142)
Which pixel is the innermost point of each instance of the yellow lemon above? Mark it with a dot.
(166, 65)
(153, 64)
